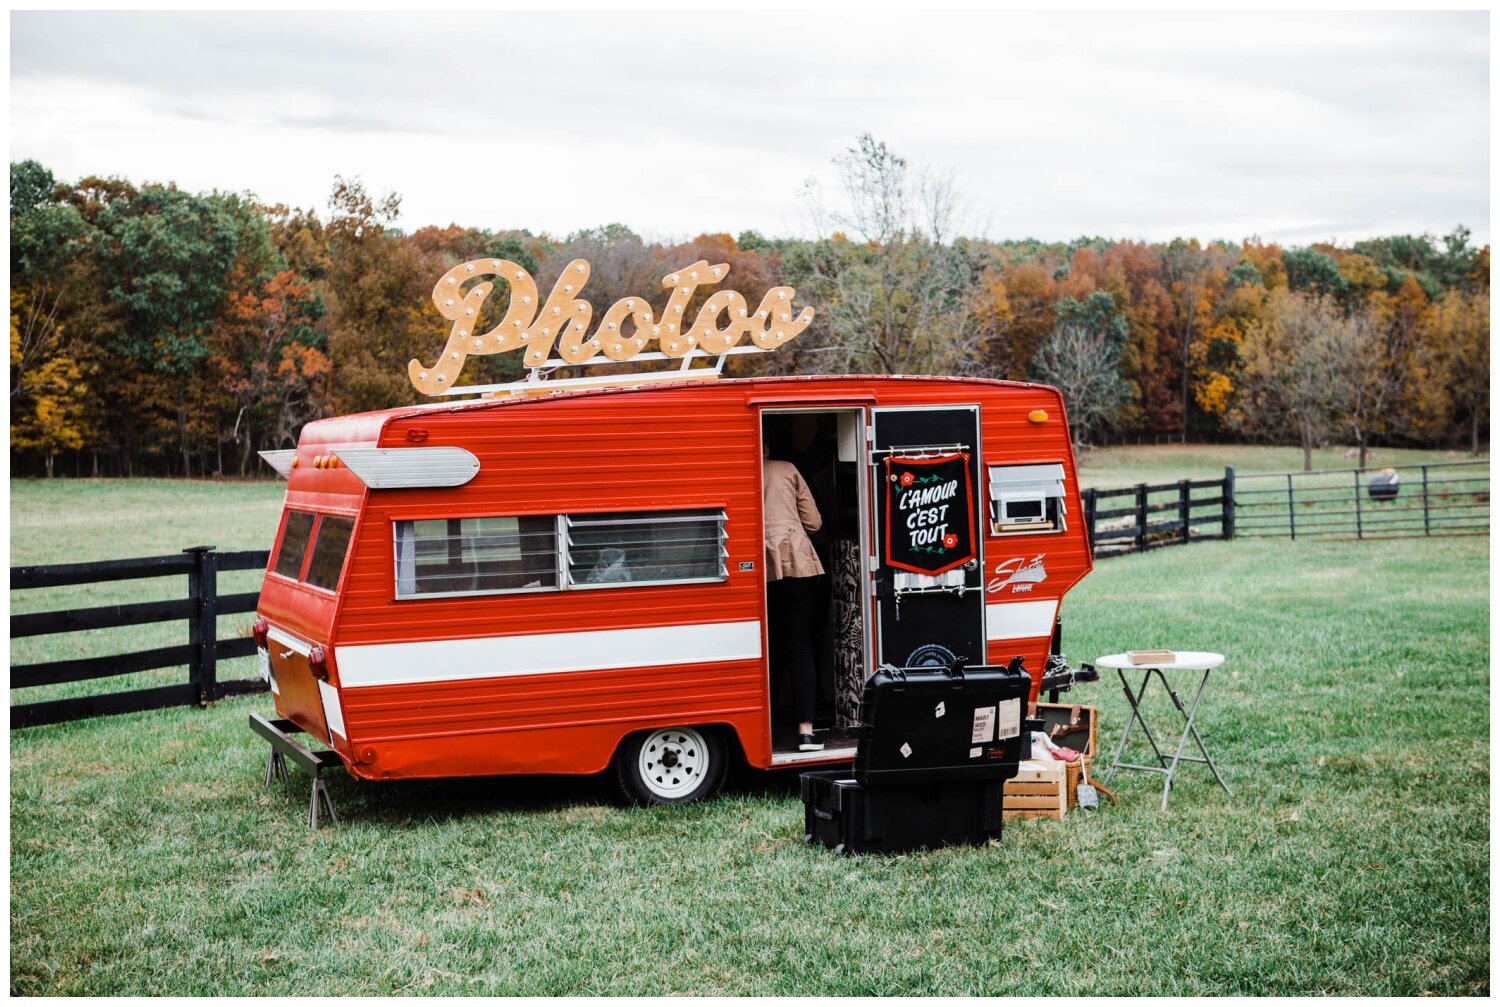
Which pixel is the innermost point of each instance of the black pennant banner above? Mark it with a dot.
(929, 514)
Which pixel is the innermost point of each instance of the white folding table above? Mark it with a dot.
(1185, 661)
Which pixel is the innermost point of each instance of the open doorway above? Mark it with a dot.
(825, 446)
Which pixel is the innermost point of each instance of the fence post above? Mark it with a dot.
(1359, 516)
(1426, 512)
(203, 625)
(1140, 517)
(1291, 507)
(1226, 527)
(1090, 507)
(1184, 508)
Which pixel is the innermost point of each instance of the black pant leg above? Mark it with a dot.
(800, 594)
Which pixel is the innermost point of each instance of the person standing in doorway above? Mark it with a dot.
(792, 570)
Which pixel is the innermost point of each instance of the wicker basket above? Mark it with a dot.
(1054, 714)
(1075, 777)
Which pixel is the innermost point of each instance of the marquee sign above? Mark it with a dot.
(929, 513)
(561, 322)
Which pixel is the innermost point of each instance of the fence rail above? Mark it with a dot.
(201, 565)
(1159, 515)
(1444, 498)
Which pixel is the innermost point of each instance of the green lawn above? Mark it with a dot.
(1351, 720)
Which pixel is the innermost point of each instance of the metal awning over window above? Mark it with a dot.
(1009, 480)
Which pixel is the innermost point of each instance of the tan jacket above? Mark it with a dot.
(790, 515)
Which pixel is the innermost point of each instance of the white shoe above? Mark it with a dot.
(809, 745)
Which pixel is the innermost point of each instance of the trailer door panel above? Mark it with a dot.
(927, 536)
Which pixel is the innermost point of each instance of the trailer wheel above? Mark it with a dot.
(673, 765)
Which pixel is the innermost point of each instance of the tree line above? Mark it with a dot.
(156, 331)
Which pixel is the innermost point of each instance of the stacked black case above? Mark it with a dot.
(931, 765)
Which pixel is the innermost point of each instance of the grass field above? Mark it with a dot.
(1351, 720)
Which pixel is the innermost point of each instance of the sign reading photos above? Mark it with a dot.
(555, 332)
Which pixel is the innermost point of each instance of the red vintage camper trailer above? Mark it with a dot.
(557, 584)
(571, 576)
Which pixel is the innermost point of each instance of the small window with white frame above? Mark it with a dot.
(1027, 499)
(670, 547)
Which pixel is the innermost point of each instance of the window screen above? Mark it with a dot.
(328, 552)
(293, 543)
(477, 555)
(638, 548)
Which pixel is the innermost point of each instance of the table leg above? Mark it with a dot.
(1191, 728)
(1134, 699)
(1146, 727)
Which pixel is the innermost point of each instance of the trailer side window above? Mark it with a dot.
(293, 543)
(645, 548)
(328, 552)
(1027, 499)
(476, 555)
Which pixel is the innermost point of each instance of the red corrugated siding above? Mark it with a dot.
(689, 446)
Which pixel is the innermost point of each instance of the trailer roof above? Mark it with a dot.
(367, 428)
(706, 387)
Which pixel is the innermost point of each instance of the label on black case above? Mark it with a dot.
(984, 725)
(1010, 719)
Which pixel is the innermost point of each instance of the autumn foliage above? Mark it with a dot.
(155, 331)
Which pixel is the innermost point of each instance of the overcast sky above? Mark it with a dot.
(1293, 127)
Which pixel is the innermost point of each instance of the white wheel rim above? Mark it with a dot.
(673, 762)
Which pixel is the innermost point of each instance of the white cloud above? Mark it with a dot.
(1295, 127)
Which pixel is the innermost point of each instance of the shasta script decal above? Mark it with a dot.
(1018, 575)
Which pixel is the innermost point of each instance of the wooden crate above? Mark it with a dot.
(1037, 793)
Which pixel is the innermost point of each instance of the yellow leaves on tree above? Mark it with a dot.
(53, 413)
(1362, 275)
(1213, 393)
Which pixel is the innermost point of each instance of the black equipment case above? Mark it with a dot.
(935, 749)
(930, 724)
(846, 817)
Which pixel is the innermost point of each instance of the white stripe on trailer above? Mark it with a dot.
(364, 665)
(333, 712)
(1019, 620)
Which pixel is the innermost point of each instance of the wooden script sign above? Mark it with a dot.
(929, 514)
(562, 320)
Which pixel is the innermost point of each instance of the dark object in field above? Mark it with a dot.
(935, 749)
(1385, 484)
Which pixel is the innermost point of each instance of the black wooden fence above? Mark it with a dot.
(1145, 516)
(200, 654)
(1439, 498)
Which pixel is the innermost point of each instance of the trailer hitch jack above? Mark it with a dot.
(278, 733)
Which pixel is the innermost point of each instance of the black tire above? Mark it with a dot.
(671, 765)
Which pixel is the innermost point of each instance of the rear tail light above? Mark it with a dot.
(261, 630)
(317, 660)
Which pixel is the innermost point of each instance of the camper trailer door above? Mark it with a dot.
(929, 584)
